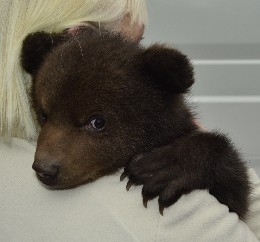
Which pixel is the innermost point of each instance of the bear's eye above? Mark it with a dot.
(98, 123)
(43, 116)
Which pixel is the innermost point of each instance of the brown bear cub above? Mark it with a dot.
(106, 103)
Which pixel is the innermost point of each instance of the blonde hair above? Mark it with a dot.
(18, 18)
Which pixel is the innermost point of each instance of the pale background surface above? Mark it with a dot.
(223, 40)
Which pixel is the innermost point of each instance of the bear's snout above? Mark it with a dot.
(47, 170)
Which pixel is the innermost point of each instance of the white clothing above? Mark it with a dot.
(105, 211)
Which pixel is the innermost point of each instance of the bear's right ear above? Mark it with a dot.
(168, 67)
(35, 47)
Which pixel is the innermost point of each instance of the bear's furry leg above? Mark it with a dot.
(197, 161)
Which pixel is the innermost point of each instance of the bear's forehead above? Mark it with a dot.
(91, 77)
(90, 60)
(93, 54)
(78, 74)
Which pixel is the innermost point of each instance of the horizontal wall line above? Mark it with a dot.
(226, 62)
(225, 99)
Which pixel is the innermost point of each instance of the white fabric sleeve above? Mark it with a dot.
(198, 216)
(253, 220)
(104, 211)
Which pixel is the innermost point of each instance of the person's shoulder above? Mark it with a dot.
(16, 145)
(126, 207)
(15, 154)
(104, 209)
(198, 216)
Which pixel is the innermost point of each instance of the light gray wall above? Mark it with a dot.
(223, 40)
(204, 21)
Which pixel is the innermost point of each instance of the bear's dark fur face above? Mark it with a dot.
(100, 100)
(105, 103)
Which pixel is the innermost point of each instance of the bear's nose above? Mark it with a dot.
(46, 171)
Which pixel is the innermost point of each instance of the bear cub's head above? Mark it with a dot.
(100, 100)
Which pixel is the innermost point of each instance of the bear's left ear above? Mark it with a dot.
(168, 67)
(35, 48)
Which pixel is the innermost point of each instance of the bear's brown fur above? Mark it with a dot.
(105, 103)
